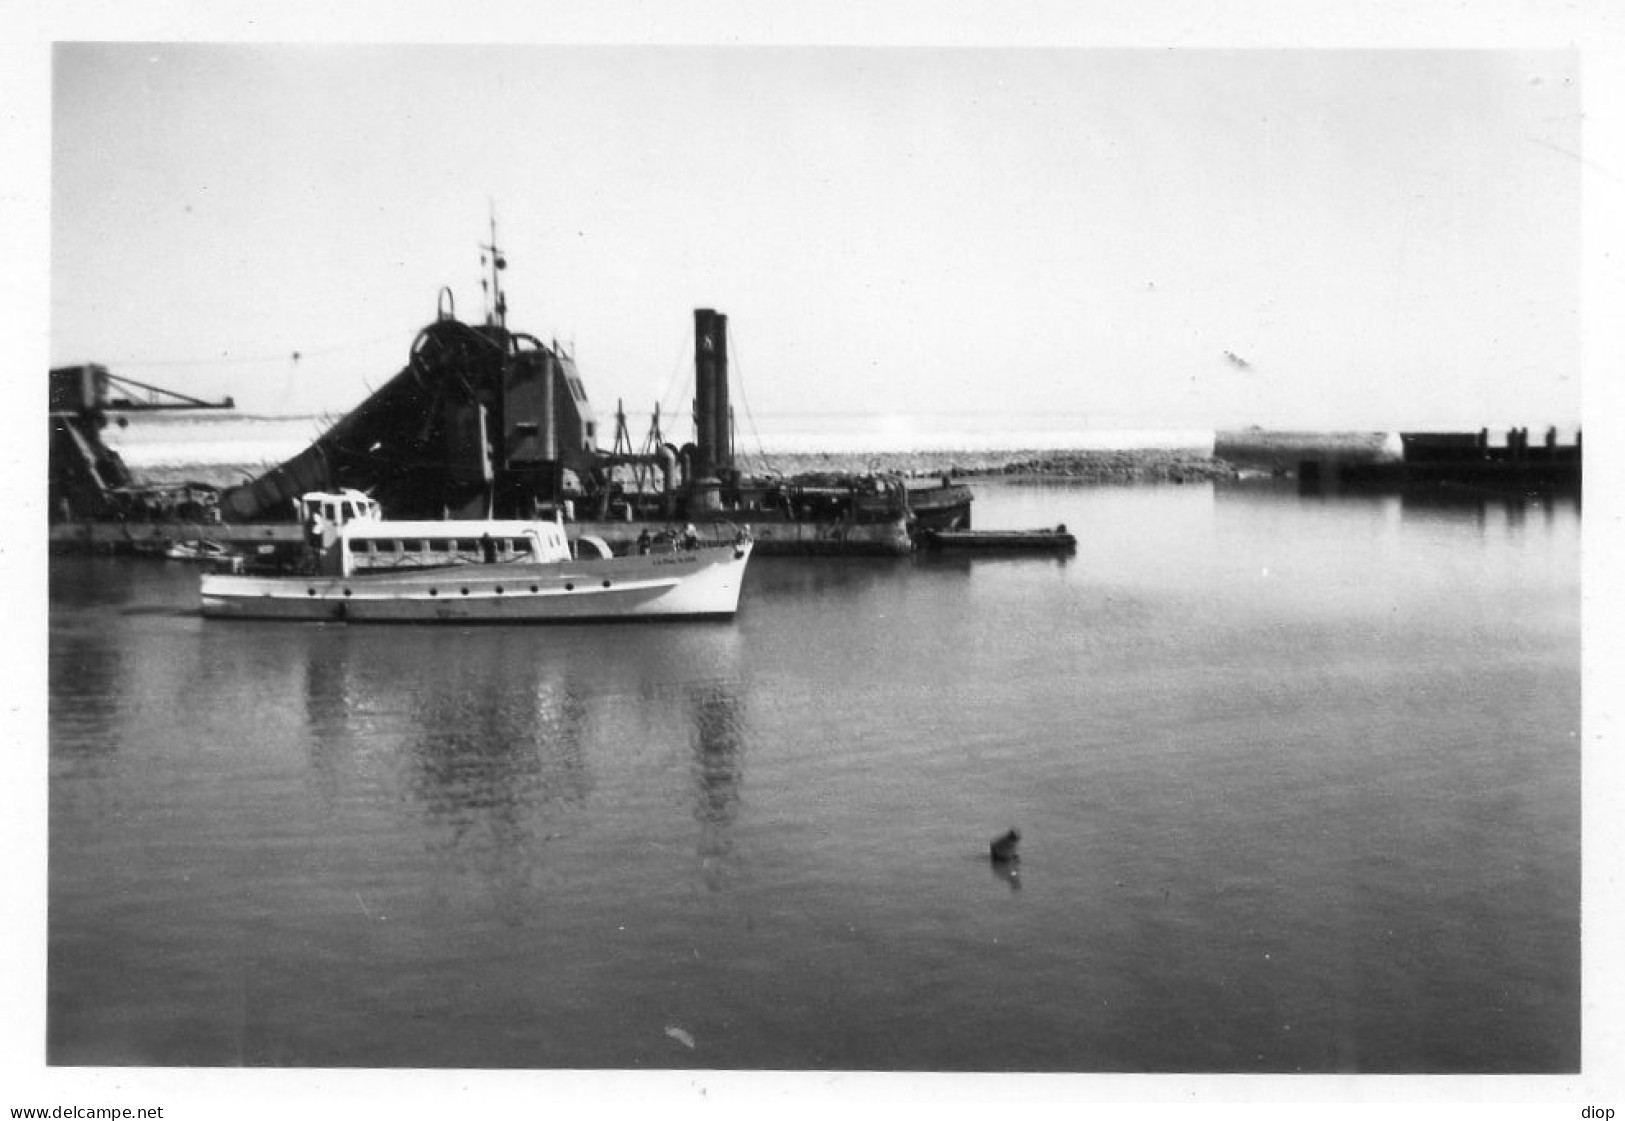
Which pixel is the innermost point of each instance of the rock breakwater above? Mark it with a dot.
(1149, 465)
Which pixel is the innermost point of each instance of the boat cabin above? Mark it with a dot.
(386, 546)
(337, 508)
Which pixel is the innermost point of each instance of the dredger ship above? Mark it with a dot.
(488, 422)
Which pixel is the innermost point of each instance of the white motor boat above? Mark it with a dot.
(487, 571)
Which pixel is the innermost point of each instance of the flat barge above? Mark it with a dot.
(1056, 540)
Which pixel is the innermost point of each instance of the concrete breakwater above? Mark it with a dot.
(1282, 452)
(1481, 458)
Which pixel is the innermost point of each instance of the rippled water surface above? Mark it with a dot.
(1298, 781)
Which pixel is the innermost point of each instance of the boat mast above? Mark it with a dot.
(496, 309)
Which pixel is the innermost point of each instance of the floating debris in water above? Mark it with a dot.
(682, 1037)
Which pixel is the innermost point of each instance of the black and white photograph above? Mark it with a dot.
(746, 554)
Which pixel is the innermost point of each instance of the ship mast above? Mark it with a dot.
(496, 308)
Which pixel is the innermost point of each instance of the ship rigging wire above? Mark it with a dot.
(739, 377)
(679, 384)
(224, 359)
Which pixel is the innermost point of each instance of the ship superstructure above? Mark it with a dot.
(487, 422)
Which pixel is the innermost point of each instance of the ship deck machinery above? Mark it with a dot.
(485, 422)
(488, 422)
(823, 514)
(88, 481)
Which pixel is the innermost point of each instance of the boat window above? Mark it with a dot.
(440, 546)
(413, 546)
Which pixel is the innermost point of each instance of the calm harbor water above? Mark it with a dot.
(1298, 780)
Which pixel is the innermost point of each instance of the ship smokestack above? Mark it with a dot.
(713, 434)
(705, 377)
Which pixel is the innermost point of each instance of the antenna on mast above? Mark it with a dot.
(496, 311)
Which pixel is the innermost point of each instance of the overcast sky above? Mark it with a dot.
(1141, 238)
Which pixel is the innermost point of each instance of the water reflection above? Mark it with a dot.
(485, 761)
(1437, 502)
(489, 734)
(84, 582)
(334, 706)
(87, 678)
(1445, 498)
(825, 576)
(718, 745)
(328, 704)
(965, 563)
(1480, 505)
(1008, 871)
(483, 756)
(482, 736)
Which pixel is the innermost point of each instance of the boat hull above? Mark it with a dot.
(698, 584)
(777, 537)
